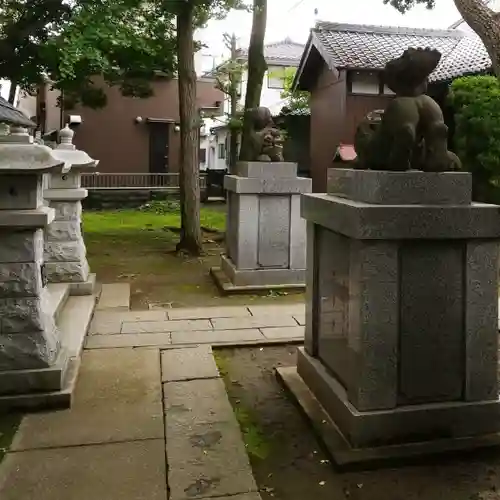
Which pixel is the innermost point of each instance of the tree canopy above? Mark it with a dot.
(405, 5)
(297, 100)
(124, 41)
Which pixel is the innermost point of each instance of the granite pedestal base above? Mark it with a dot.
(265, 235)
(229, 279)
(342, 451)
(401, 341)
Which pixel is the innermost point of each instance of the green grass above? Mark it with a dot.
(255, 441)
(126, 222)
(139, 247)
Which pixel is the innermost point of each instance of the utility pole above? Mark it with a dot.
(228, 80)
(233, 92)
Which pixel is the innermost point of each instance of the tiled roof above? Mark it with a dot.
(467, 58)
(347, 46)
(286, 50)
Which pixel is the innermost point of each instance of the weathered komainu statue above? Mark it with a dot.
(267, 141)
(410, 133)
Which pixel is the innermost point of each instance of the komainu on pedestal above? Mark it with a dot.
(401, 342)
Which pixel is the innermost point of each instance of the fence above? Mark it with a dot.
(96, 181)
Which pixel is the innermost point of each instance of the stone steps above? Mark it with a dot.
(53, 387)
(59, 293)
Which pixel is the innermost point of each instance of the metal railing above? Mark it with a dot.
(96, 181)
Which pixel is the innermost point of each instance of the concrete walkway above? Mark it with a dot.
(149, 394)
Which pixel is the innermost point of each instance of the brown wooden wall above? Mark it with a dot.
(327, 123)
(112, 136)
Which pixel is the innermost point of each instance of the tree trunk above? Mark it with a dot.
(189, 176)
(256, 70)
(12, 92)
(486, 24)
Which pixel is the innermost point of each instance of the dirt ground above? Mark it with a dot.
(139, 248)
(289, 464)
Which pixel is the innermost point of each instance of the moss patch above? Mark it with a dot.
(256, 444)
(8, 427)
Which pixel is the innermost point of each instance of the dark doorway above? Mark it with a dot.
(158, 147)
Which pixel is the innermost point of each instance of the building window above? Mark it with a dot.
(202, 155)
(364, 83)
(276, 77)
(222, 151)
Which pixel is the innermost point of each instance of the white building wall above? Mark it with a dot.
(270, 97)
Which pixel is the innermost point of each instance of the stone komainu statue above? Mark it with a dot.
(266, 138)
(410, 133)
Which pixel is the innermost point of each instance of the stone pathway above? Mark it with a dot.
(149, 394)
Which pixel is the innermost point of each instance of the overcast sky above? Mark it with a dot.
(294, 18)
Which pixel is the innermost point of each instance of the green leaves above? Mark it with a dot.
(126, 42)
(294, 100)
(476, 102)
(81, 44)
(405, 5)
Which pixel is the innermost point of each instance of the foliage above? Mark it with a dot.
(69, 43)
(476, 104)
(405, 5)
(161, 207)
(127, 42)
(294, 100)
(25, 27)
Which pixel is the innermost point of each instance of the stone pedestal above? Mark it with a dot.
(65, 252)
(265, 235)
(29, 339)
(401, 346)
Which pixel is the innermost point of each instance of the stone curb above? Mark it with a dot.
(205, 451)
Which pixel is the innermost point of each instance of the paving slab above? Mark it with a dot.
(105, 326)
(300, 319)
(188, 364)
(114, 296)
(208, 312)
(118, 398)
(124, 471)
(253, 322)
(106, 322)
(217, 336)
(128, 340)
(165, 326)
(271, 310)
(293, 332)
(207, 460)
(197, 402)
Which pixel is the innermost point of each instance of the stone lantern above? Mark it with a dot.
(65, 251)
(29, 339)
